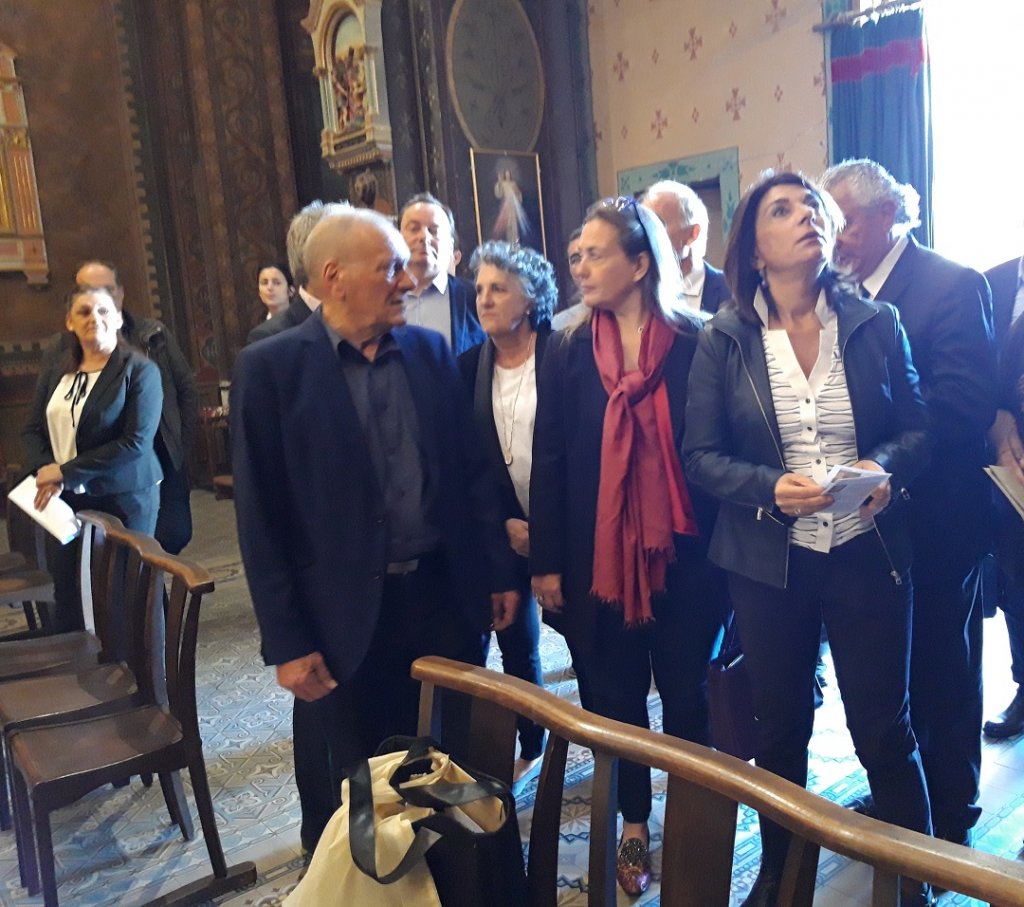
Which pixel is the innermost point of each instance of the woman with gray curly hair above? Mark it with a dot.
(515, 296)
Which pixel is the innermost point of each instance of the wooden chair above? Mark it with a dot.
(704, 790)
(116, 563)
(63, 652)
(55, 765)
(23, 577)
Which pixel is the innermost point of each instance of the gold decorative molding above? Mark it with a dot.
(22, 247)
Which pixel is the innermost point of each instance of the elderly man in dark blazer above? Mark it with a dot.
(439, 301)
(686, 220)
(947, 312)
(367, 516)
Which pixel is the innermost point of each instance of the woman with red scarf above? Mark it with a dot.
(616, 553)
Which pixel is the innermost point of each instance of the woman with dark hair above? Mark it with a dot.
(796, 376)
(615, 549)
(90, 433)
(515, 296)
(276, 288)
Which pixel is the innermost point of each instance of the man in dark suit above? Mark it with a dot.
(443, 303)
(947, 311)
(303, 303)
(1007, 282)
(367, 517)
(685, 218)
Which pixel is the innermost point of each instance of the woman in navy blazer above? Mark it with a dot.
(615, 547)
(90, 433)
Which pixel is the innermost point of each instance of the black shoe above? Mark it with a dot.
(821, 672)
(916, 894)
(864, 805)
(1010, 723)
(765, 892)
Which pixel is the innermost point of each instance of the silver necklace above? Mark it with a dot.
(508, 422)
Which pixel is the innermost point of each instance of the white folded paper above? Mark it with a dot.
(56, 517)
(1009, 486)
(849, 487)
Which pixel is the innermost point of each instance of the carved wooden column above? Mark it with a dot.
(218, 113)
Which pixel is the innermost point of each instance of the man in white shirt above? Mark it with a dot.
(686, 220)
(947, 312)
(439, 301)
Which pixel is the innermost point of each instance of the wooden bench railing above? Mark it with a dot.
(704, 790)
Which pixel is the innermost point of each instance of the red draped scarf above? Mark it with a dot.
(642, 497)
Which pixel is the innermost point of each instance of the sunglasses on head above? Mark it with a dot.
(626, 203)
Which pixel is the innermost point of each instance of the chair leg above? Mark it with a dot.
(177, 805)
(5, 803)
(28, 868)
(44, 850)
(204, 804)
(147, 779)
(30, 616)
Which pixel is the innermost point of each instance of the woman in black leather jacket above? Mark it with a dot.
(796, 376)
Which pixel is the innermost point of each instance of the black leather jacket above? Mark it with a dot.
(733, 448)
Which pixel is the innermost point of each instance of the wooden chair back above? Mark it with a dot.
(704, 790)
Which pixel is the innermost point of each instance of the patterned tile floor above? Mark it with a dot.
(117, 846)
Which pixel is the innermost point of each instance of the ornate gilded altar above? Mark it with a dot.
(348, 53)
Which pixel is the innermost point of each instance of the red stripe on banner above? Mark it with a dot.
(874, 61)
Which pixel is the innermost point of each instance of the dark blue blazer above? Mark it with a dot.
(716, 291)
(1003, 281)
(310, 511)
(946, 310)
(466, 330)
(291, 317)
(116, 426)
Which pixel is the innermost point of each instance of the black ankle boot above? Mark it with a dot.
(1010, 722)
(765, 892)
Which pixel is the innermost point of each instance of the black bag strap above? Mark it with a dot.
(731, 642)
(436, 796)
(362, 834)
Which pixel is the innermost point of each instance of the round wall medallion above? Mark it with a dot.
(494, 74)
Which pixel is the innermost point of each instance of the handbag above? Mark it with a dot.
(731, 700)
(416, 829)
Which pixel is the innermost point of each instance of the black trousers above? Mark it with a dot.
(676, 647)
(520, 658)
(946, 690)
(417, 617)
(868, 618)
(136, 509)
(174, 520)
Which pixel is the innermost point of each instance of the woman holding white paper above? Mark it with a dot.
(796, 376)
(90, 434)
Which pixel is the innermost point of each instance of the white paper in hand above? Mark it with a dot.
(56, 517)
(850, 486)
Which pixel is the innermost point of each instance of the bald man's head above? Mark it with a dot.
(356, 261)
(101, 275)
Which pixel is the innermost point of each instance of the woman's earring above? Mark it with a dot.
(763, 272)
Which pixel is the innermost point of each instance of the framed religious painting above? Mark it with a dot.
(507, 197)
